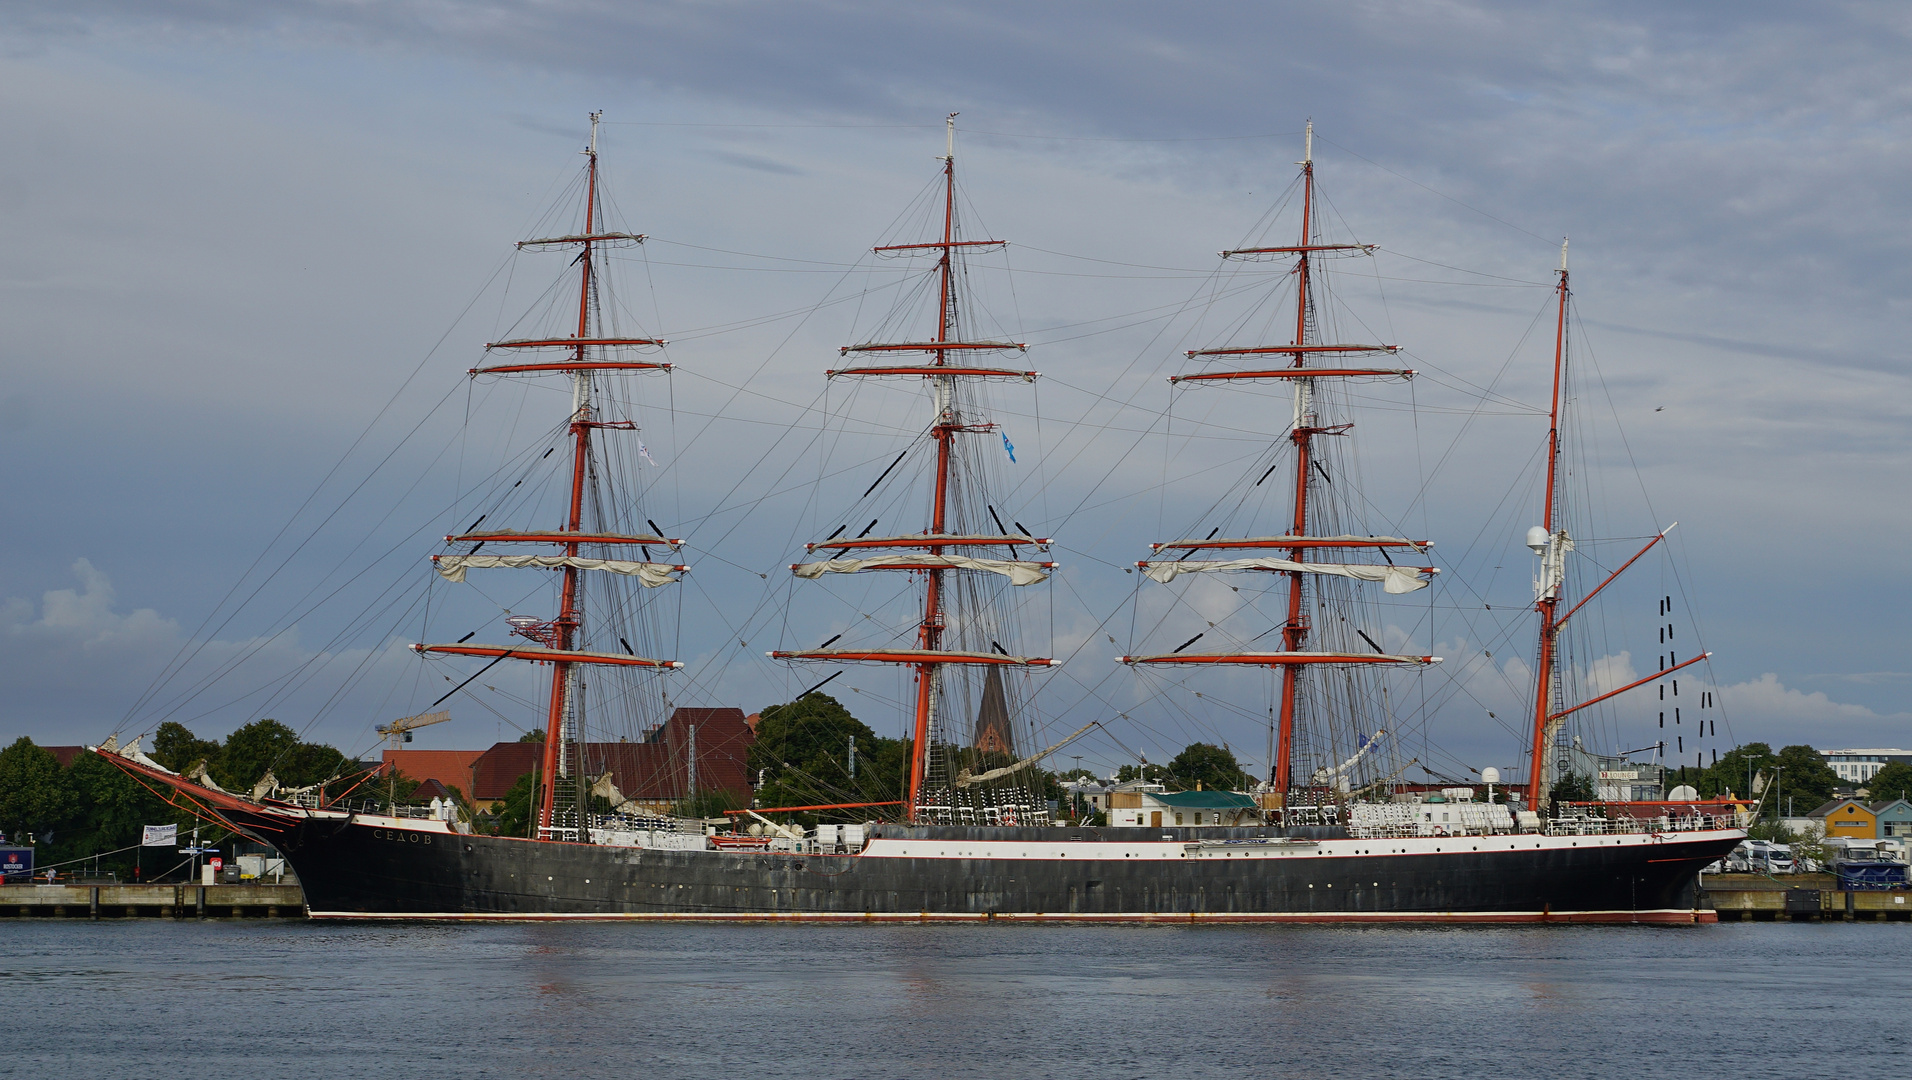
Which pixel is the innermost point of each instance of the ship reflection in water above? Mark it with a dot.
(945, 1000)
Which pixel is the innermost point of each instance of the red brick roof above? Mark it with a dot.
(654, 770)
(452, 768)
(499, 767)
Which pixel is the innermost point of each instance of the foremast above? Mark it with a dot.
(942, 366)
(1304, 428)
(561, 813)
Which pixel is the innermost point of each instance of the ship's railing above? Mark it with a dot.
(1588, 825)
(1573, 825)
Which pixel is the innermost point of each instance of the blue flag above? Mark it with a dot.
(1010, 447)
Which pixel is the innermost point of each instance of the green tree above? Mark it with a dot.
(1154, 774)
(250, 751)
(1206, 765)
(109, 811)
(179, 749)
(1805, 780)
(803, 750)
(1733, 773)
(35, 797)
(1572, 787)
(515, 811)
(1892, 782)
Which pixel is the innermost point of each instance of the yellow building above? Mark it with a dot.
(1847, 819)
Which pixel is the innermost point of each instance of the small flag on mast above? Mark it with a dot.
(645, 454)
(1010, 447)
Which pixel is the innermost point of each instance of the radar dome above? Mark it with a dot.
(1537, 538)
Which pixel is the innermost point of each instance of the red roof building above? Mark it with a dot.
(656, 770)
(451, 768)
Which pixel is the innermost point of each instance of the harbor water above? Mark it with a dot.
(255, 999)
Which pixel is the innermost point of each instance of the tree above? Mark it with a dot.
(1572, 787)
(803, 754)
(35, 797)
(1153, 774)
(1805, 780)
(110, 809)
(1208, 766)
(1892, 782)
(251, 751)
(1733, 773)
(179, 749)
(515, 812)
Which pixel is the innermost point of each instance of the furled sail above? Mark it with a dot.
(1398, 579)
(648, 574)
(1018, 573)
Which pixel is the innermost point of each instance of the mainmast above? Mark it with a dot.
(557, 640)
(1305, 426)
(945, 372)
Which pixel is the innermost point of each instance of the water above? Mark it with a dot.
(262, 999)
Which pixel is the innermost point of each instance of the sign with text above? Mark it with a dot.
(159, 836)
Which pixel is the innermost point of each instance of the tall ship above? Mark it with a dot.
(972, 837)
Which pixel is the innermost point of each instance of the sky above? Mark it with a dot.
(251, 250)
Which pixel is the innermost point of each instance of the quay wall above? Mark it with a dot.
(1799, 898)
(184, 901)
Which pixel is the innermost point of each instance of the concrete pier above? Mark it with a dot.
(1800, 898)
(182, 901)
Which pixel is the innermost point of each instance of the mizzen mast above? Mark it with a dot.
(942, 367)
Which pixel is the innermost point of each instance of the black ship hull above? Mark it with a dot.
(383, 868)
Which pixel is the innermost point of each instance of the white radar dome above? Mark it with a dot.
(1537, 538)
(1683, 793)
(1490, 775)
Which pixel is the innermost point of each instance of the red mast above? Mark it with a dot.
(1295, 630)
(557, 640)
(1552, 550)
(930, 656)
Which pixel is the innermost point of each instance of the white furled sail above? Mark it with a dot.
(648, 574)
(1397, 579)
(1018, 573)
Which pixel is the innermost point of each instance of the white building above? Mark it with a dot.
(1860, 765)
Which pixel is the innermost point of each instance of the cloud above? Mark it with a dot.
(1767, 710)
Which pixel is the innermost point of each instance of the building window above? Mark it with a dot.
(1178, 819)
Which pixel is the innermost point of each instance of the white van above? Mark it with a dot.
(1766, 857)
